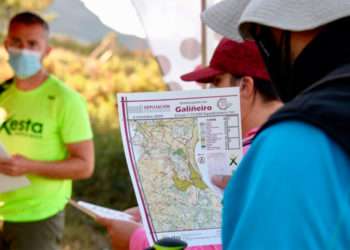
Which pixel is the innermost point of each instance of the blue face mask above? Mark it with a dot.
(25, 63)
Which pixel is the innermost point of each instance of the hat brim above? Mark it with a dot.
(203, 75)
(232, 18)
(224, 18)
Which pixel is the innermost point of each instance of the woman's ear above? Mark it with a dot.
(247, 90)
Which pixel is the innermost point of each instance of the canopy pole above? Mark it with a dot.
(204, 35)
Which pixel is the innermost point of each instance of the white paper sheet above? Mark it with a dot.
(9, 183)
(94, 210)
(105, 212)
(174, 142)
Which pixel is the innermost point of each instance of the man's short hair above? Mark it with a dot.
(29, 18)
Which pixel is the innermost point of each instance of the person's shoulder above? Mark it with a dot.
(296, 174)
(293, 156)
(293, 133)
(63, 90)
(292, 128)
(297, 144)
(6, 85)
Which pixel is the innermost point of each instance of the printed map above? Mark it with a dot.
(177, 197)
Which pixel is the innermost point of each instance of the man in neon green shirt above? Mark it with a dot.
(49, 137)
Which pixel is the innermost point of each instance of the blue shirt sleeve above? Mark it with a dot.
(291, 191)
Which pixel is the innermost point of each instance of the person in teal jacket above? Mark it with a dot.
(292, 189)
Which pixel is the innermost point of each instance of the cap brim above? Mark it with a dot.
(224, 17)
(204, 75)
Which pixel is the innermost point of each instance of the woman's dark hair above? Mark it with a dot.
(265, 89)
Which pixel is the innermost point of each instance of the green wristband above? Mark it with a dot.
(159, 247)
(169, 244)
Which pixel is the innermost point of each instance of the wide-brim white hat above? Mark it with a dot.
(232, 18)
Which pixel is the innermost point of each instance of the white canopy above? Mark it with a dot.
(173, 29)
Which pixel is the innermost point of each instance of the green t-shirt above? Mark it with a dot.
(40, 123)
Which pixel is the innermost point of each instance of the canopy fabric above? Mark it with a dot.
(173, 30)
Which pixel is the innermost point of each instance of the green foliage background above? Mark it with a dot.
(99, 80)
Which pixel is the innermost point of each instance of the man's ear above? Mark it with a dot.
(6, 42)
(247, 87)
(47, 51)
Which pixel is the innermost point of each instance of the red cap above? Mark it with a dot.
(239, 59)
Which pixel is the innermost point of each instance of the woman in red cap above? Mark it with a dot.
(237, 64)
(233, 65)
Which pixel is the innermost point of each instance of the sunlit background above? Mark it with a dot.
(100, 49)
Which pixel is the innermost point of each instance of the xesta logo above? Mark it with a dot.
(23, 126)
